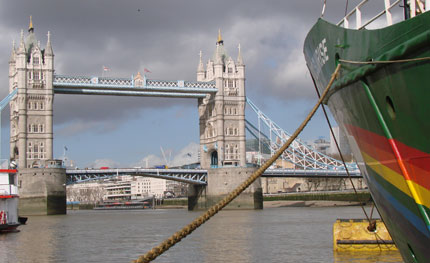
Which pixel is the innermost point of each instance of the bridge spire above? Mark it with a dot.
(30, 26)
(12, 55)
(21, 48)
(200, 67)
(219, 41)
(239, 57)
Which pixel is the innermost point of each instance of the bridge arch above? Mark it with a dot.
(214, 159)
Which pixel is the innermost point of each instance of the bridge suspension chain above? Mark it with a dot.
(299, 153)
(188, 229)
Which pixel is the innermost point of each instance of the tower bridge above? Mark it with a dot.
(221, 100)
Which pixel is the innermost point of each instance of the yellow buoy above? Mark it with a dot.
(354, 235)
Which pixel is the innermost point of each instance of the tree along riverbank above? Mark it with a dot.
(282, 200)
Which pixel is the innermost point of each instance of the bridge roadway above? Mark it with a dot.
(193, 176)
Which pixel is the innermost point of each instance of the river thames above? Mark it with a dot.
(285, 234)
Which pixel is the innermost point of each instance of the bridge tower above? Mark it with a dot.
(31, 71)
(222, 117)
(222, 134)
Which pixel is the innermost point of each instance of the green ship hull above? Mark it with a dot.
(384, 110)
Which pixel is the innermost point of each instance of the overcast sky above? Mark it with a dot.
(164, 36)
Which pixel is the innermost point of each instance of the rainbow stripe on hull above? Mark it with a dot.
(383, 108)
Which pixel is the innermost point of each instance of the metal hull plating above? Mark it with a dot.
(383, 108)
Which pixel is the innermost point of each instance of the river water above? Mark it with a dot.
(287, 234)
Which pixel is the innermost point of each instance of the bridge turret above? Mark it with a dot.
(201, 70)
(18, 115)
(49, 53)
(12, 67)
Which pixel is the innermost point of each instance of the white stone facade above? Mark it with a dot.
(148, 186)
(222, 116)
(31, 71)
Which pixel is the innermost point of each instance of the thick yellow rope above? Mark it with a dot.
(188, 229)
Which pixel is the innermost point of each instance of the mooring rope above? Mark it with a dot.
(372, 225)
(188, 229)
(384, 61)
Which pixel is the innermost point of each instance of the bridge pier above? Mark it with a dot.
(42, 191)
(221, 181)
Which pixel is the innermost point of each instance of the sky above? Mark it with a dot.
(165, 37)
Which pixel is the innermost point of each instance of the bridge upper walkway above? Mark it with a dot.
(131, 87)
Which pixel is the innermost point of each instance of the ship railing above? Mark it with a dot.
(8, 189)
(415, 6)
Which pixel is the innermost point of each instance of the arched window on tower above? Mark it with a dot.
(36, 75)
(36, 60)
(36, 151)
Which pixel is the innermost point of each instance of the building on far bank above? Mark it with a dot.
(342, 140)
(321, 145)
(125, 188)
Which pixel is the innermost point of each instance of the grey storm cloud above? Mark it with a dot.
(164, 36)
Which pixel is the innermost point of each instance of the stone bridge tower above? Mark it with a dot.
(31, 70)
(41, 180)
(222, 117)
(222, 135)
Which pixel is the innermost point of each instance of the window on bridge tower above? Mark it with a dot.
(36, 60)
(36, 75)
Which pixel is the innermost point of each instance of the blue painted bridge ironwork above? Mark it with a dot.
(134, 86)
(190, 176)
(194, 176)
